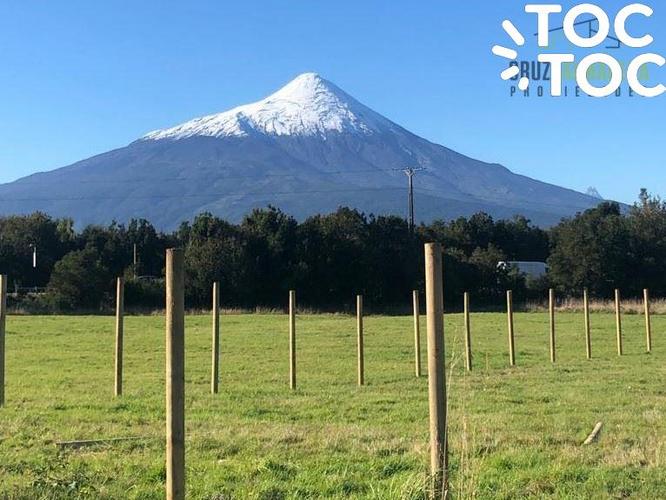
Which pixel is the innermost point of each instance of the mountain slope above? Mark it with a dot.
(308, 148)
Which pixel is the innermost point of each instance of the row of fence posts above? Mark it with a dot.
(586, 312)
(175, 377)
(215, 348)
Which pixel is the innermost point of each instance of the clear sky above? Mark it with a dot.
(79, 78)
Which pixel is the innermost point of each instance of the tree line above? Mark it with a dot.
(331, 258)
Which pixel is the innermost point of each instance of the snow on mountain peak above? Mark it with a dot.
(309, 105)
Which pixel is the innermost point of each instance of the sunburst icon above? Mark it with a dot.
(512, 55)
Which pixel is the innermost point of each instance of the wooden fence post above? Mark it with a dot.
(468, 334)
(120, 330)
(618, 322)
(509, 314)
(3, 320)
(551, 311)
(292, 339)
(175, 375)
(417, 332)
(648, 324)
(436, 374)
(588, 338)
(215, 361)
(359, 342)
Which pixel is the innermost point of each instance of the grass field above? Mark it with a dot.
(514, 433)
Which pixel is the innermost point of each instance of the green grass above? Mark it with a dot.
(514, 433)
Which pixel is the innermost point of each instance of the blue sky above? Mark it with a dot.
(79, 78)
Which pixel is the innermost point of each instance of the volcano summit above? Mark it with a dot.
(308, 148)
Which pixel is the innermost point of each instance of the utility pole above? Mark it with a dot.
(33, 247)
(410, 173)
(34, 256)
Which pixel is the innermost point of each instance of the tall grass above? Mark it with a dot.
(629, 306)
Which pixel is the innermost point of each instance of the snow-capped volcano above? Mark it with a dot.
(308, 148)
(307, 106)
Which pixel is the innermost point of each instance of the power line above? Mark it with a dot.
(211, 195)
(189, 179)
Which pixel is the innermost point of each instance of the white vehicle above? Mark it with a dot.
(530, 269)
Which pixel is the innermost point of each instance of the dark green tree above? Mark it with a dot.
(79, 281)
(332, 262)
(647, 226)
(592, 250)
(215, 251)
(270, 238)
